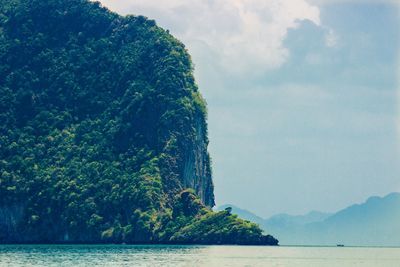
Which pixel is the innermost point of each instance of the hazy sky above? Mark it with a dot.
(302, 96)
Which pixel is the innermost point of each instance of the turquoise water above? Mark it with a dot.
(126, 255)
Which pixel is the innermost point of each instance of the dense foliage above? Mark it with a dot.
(96, 111)
(220, 228)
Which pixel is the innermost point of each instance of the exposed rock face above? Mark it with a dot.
(197, 167)
(10, 216)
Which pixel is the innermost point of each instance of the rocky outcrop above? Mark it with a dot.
(197, 167)
(10, 216)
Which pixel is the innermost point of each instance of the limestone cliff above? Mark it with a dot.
(197, 168)
(102, 123)
(103, 131)
(10, 217)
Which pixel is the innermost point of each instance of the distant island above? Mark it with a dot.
(103, 132)
(372, 223)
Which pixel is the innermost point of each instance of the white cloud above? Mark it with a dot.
(329, 2)
(241, 35)
(331, 38)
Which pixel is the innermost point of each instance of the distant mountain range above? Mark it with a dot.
(375, 222)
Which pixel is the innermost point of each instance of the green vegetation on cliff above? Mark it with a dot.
(102, 132)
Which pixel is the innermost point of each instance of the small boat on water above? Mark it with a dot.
(339, 245)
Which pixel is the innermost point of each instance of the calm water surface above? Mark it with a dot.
(126, 255)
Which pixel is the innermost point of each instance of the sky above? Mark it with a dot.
(303, 96)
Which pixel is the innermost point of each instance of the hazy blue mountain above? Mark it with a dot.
(277, 221)
(375, 222)
(288, 220)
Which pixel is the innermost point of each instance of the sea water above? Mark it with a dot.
(135, 255)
